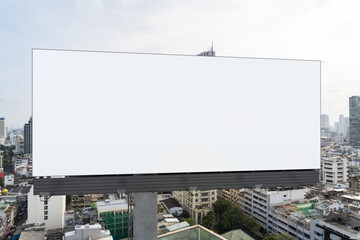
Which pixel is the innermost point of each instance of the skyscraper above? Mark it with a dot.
(2, 130)
(324, 120)
(28, 137)
(354, 121)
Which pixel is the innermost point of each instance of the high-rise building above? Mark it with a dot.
(324, 120)
(2, 130)
(28, 137)
(354, 121)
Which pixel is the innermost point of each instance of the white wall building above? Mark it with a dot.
(9, 180)
(50, 213)
(86, 232)
(275, 212)
(334, 170)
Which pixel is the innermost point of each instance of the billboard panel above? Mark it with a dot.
(100, 113)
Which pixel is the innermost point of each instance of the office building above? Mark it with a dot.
(354, 121)
(2, 130)
(28, 137)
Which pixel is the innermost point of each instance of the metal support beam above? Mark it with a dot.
(174, 182)
(145, 216)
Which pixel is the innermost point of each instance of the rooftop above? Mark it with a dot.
(171, 203)
(112, 205)
(196, 232)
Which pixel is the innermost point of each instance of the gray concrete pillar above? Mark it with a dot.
(145, 216)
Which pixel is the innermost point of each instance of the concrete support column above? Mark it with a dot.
(145, 216)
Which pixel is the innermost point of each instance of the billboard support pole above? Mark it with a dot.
(145, 216)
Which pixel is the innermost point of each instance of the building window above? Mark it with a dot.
(45, 207)
(45, 217)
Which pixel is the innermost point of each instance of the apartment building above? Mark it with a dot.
(197, 203)
(279, 211)
(231, 195)
(334, 170)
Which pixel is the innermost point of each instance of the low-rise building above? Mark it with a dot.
(336, 226)
(85, 232)
(172, 206)
(334, 170)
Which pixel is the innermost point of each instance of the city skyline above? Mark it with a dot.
(285, 29)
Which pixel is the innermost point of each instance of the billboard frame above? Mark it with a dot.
(165, 182)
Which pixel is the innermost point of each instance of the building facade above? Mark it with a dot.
(114, 215)
(276, 212)
(354, 121)
(334, 170)
(50, 212)
(197, 203)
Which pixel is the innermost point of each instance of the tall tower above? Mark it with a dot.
(2, 130)
(28, 137)
(324, 120)
(354, 121)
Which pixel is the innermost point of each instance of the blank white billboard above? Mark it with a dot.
(98, 113)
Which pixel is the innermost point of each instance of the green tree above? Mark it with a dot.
(1, 182)
(190, 221)
(230, 219)
(220, 207)
(209, 220)
(185, 214)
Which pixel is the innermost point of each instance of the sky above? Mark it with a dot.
(326, 30)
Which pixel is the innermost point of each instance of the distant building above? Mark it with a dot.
(334, 170)
(197, 203)
(9, 180)
(50, 212)
(28, 137)
(19, 146)
(114, 215)
(354, 121)
(231, 195)
(2, 130)
(209, 53)
(324, 120)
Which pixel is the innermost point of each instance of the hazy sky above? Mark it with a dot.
(328, 30)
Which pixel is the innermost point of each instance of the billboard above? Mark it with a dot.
(104, 113)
